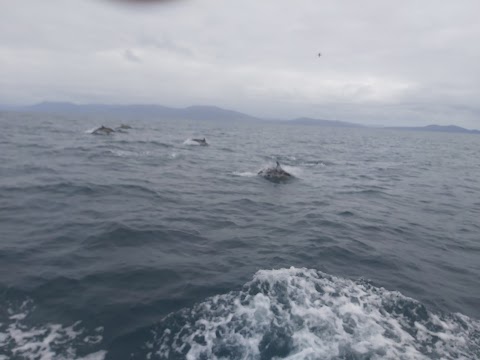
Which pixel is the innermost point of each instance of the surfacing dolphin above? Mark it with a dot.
(122, 128)
(201, 142)
(103, 130)
(275, 173)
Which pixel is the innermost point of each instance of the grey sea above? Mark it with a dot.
(143, 245)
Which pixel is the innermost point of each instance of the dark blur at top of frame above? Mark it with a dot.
(144, 2)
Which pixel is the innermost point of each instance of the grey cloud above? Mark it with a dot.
(409, 63)
(166, 43)
(131, 56)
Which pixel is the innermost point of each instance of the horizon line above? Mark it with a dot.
(253, 117)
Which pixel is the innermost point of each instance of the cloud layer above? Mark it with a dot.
(383, 62)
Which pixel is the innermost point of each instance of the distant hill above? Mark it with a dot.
(322, 122)
(191, 113)
(212, 113)
(438, 128)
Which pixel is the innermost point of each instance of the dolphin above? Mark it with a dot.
(201, 142)
(122, 128)
(275, 173)
(103, 130)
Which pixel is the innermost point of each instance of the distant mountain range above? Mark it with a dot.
(321, 122)
(212, 113)
(191, 112)
(439, 128)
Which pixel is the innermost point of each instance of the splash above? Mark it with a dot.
(306, 314)
(191, 142)
(245, 173)
(20, 339)
(294, 170)
(90, 131)
(127, 153)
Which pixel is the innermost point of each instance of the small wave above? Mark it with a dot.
(227, 149)
(145, 153)
(90, 189)
(346, 213)
(306, 314)
(126, 153)
(161, 144)
(365, 192)
(245, 173)
(20, 339)
(282, 158)
(301, 161)
(314, 163)
(143, 142)
(119, 235)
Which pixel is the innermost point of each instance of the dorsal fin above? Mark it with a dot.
(278, 164)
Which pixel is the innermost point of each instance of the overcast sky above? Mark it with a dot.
(383, 62)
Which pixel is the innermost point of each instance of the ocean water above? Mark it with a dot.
(142, 245)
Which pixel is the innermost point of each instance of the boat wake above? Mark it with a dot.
(306, 314)
(20, 338)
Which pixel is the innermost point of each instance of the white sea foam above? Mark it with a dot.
(245, 173)
(191, 142)
(90, 131)
(305, 314)
(294, 170)
(127, 153)
(23, 340)
(314, 164)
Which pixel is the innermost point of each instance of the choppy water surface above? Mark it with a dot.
(141, 245)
